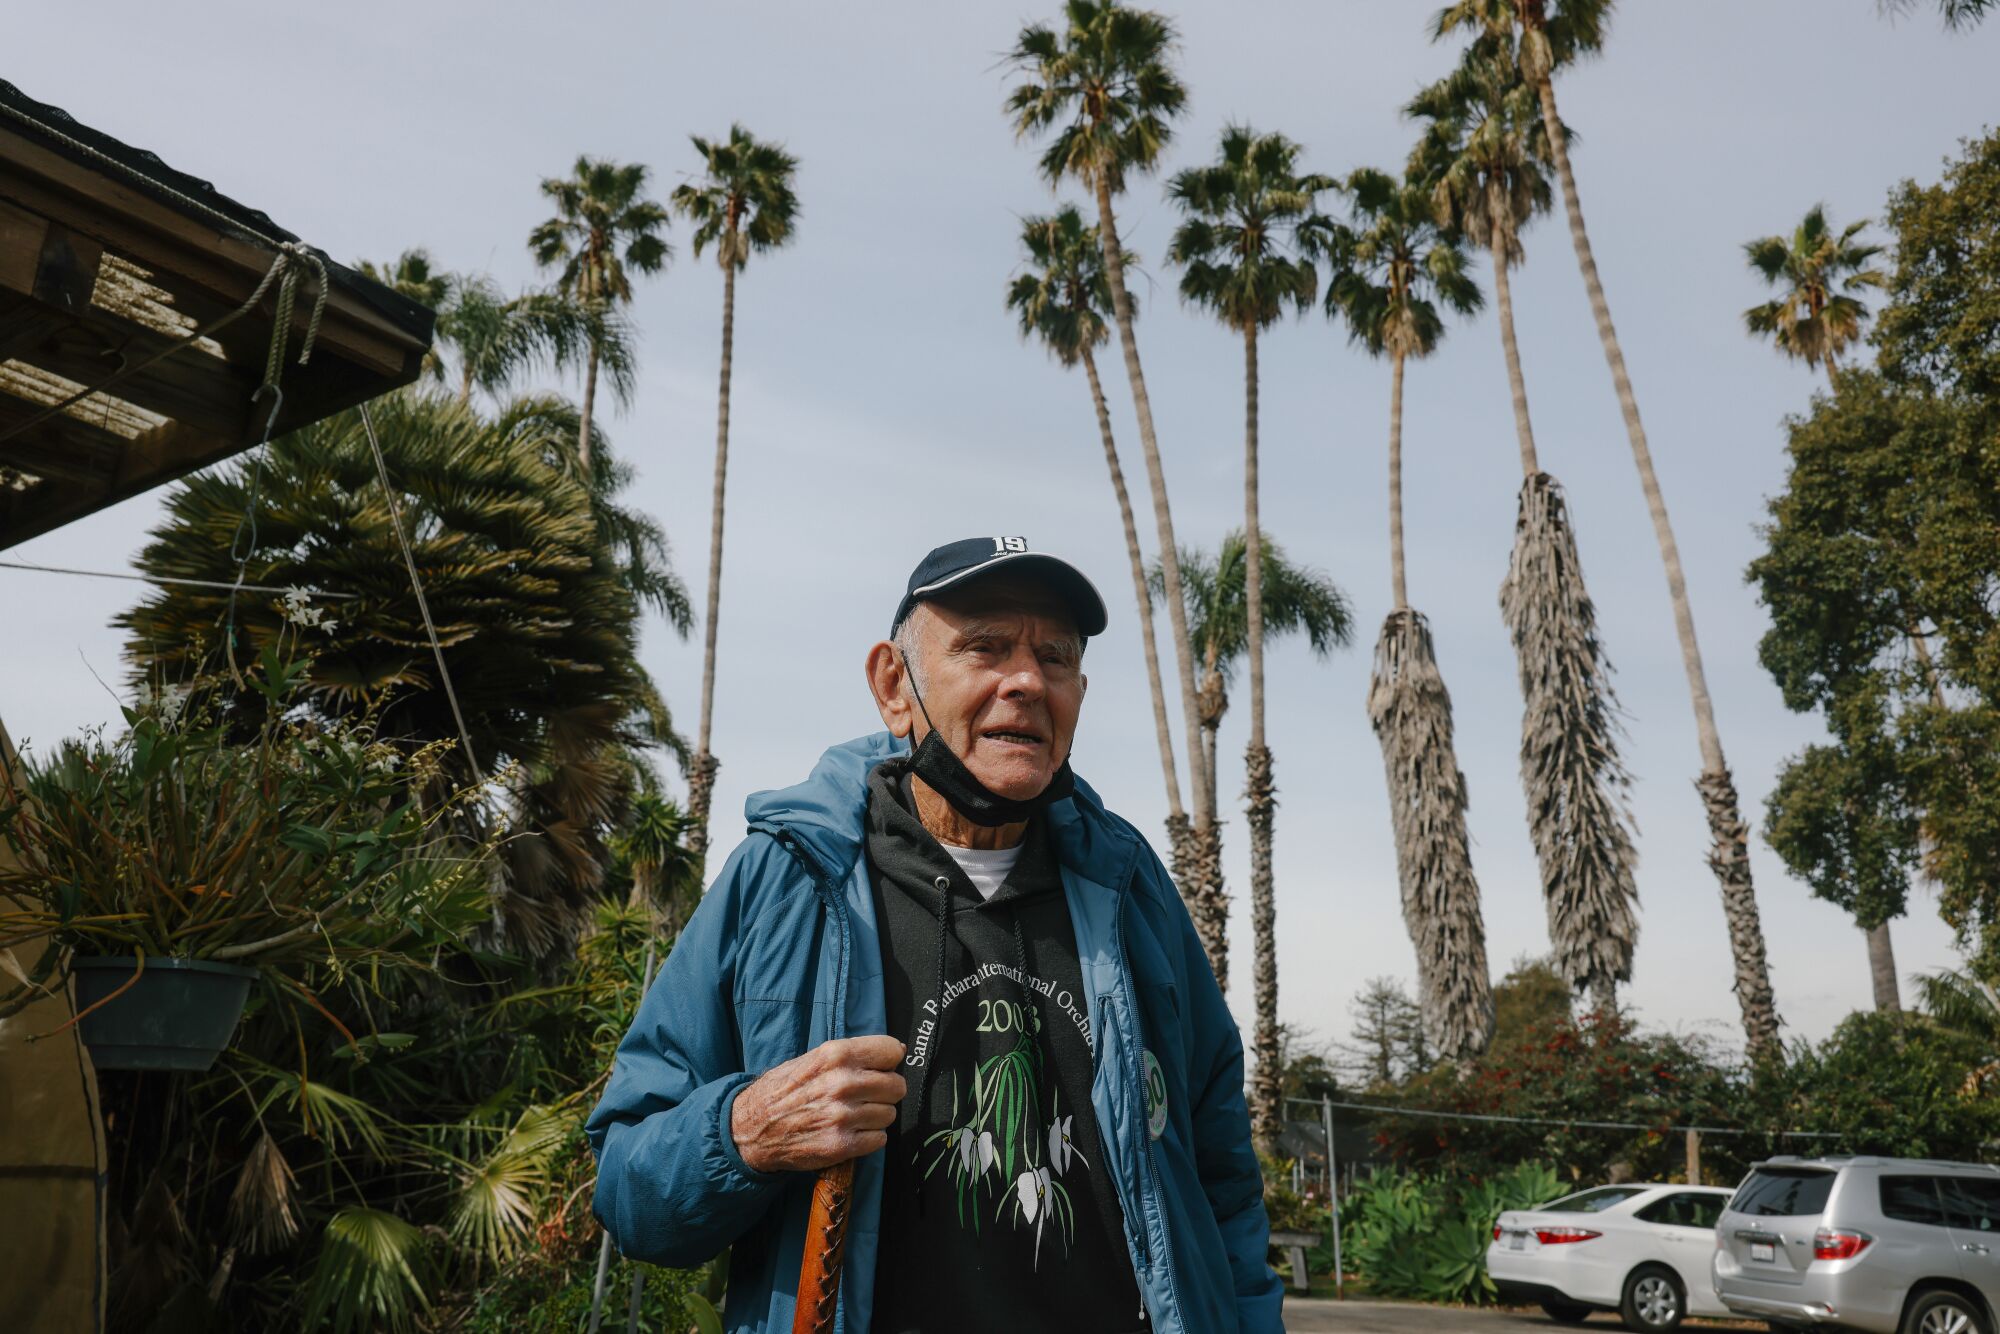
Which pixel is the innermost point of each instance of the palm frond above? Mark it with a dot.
(263, 1210)
(494, 1209)
(370, 1274)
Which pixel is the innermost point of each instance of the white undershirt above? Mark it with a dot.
(986, 868)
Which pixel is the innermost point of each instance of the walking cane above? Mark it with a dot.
(826, 1241)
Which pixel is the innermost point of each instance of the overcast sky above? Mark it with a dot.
(884, 404)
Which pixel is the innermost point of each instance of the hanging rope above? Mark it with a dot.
(417, 587)
(292, 258)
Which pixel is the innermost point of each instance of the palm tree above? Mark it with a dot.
(411, 274)
(604, 230)
(1295, 599)
(1062, 298)
(1552, 34)
(1103, 86)
(1240, 249)
(1391, 272)
(496, 339)
(743, 204)
(534, 577)
(1817, 312)
(652, 846)
(1958, 15)
(1482, 155)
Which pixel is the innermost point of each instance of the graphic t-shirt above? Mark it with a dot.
(986, 868)
(998, 1210)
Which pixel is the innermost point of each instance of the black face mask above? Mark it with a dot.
(934, 762)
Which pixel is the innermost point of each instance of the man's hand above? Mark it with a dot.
(834, 1103)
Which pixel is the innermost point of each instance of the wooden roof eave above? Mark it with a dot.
(59, 220)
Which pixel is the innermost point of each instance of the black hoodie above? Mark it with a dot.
(997, 1210)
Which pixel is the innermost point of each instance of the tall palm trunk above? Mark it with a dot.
(1729, 855)
(1882, 968)
(1199, 886)
(1260, 793)
(1177, 820)
(589, 401)
(701, 782)
(1410, 711)
(1397, 584)
(1503, 300)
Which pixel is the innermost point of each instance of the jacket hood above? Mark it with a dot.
(827, 814)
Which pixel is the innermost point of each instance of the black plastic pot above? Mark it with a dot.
(179, 1015)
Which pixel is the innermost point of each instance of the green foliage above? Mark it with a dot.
(1064, 295)
(604, 230)
(1393, 267)
(1424, 1236)
(1484, 151)
(1297, 600)
(530, 1302)
(1102, 85)
(1555, 1071)
(1252, 226)
(306, 841)
(1885, 528)
(369, 1275)
(1839, 815)
(745, 202)
(1896, 1084)
(535, 578)
(1944, 294)
(1818, 311)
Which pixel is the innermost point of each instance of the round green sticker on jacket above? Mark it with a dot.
(1156, 1096)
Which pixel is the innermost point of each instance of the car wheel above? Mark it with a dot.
(1654, 1300)
(1565, 1313)
(1944, 1313)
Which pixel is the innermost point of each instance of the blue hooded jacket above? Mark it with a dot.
(784, 954)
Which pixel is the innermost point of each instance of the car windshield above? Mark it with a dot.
(1784, 1192)
(1593, 1201)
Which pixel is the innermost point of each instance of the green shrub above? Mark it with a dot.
(1411, 1234)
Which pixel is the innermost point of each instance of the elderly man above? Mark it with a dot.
(942, 958)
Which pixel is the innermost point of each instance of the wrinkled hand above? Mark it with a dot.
(834, 1103)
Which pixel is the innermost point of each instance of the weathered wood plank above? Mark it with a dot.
(187, 257)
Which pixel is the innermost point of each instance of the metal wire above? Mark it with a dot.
(1585, 1125)
(173, 579)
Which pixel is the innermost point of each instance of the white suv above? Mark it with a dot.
(1882, 1245)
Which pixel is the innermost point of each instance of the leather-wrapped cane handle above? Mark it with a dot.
(826, 1242)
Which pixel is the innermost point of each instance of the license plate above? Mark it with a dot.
(1763, 1250)
(1517, 1241)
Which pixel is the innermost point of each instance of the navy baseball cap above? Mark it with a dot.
(956, 564)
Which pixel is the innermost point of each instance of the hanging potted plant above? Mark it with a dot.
(169, 870)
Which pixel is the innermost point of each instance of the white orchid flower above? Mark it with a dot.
(1031, 1188)
(1061, 1147)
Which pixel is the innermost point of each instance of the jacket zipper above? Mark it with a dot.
(1136, 1072)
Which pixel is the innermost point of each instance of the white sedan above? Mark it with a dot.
(1642, 1251)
